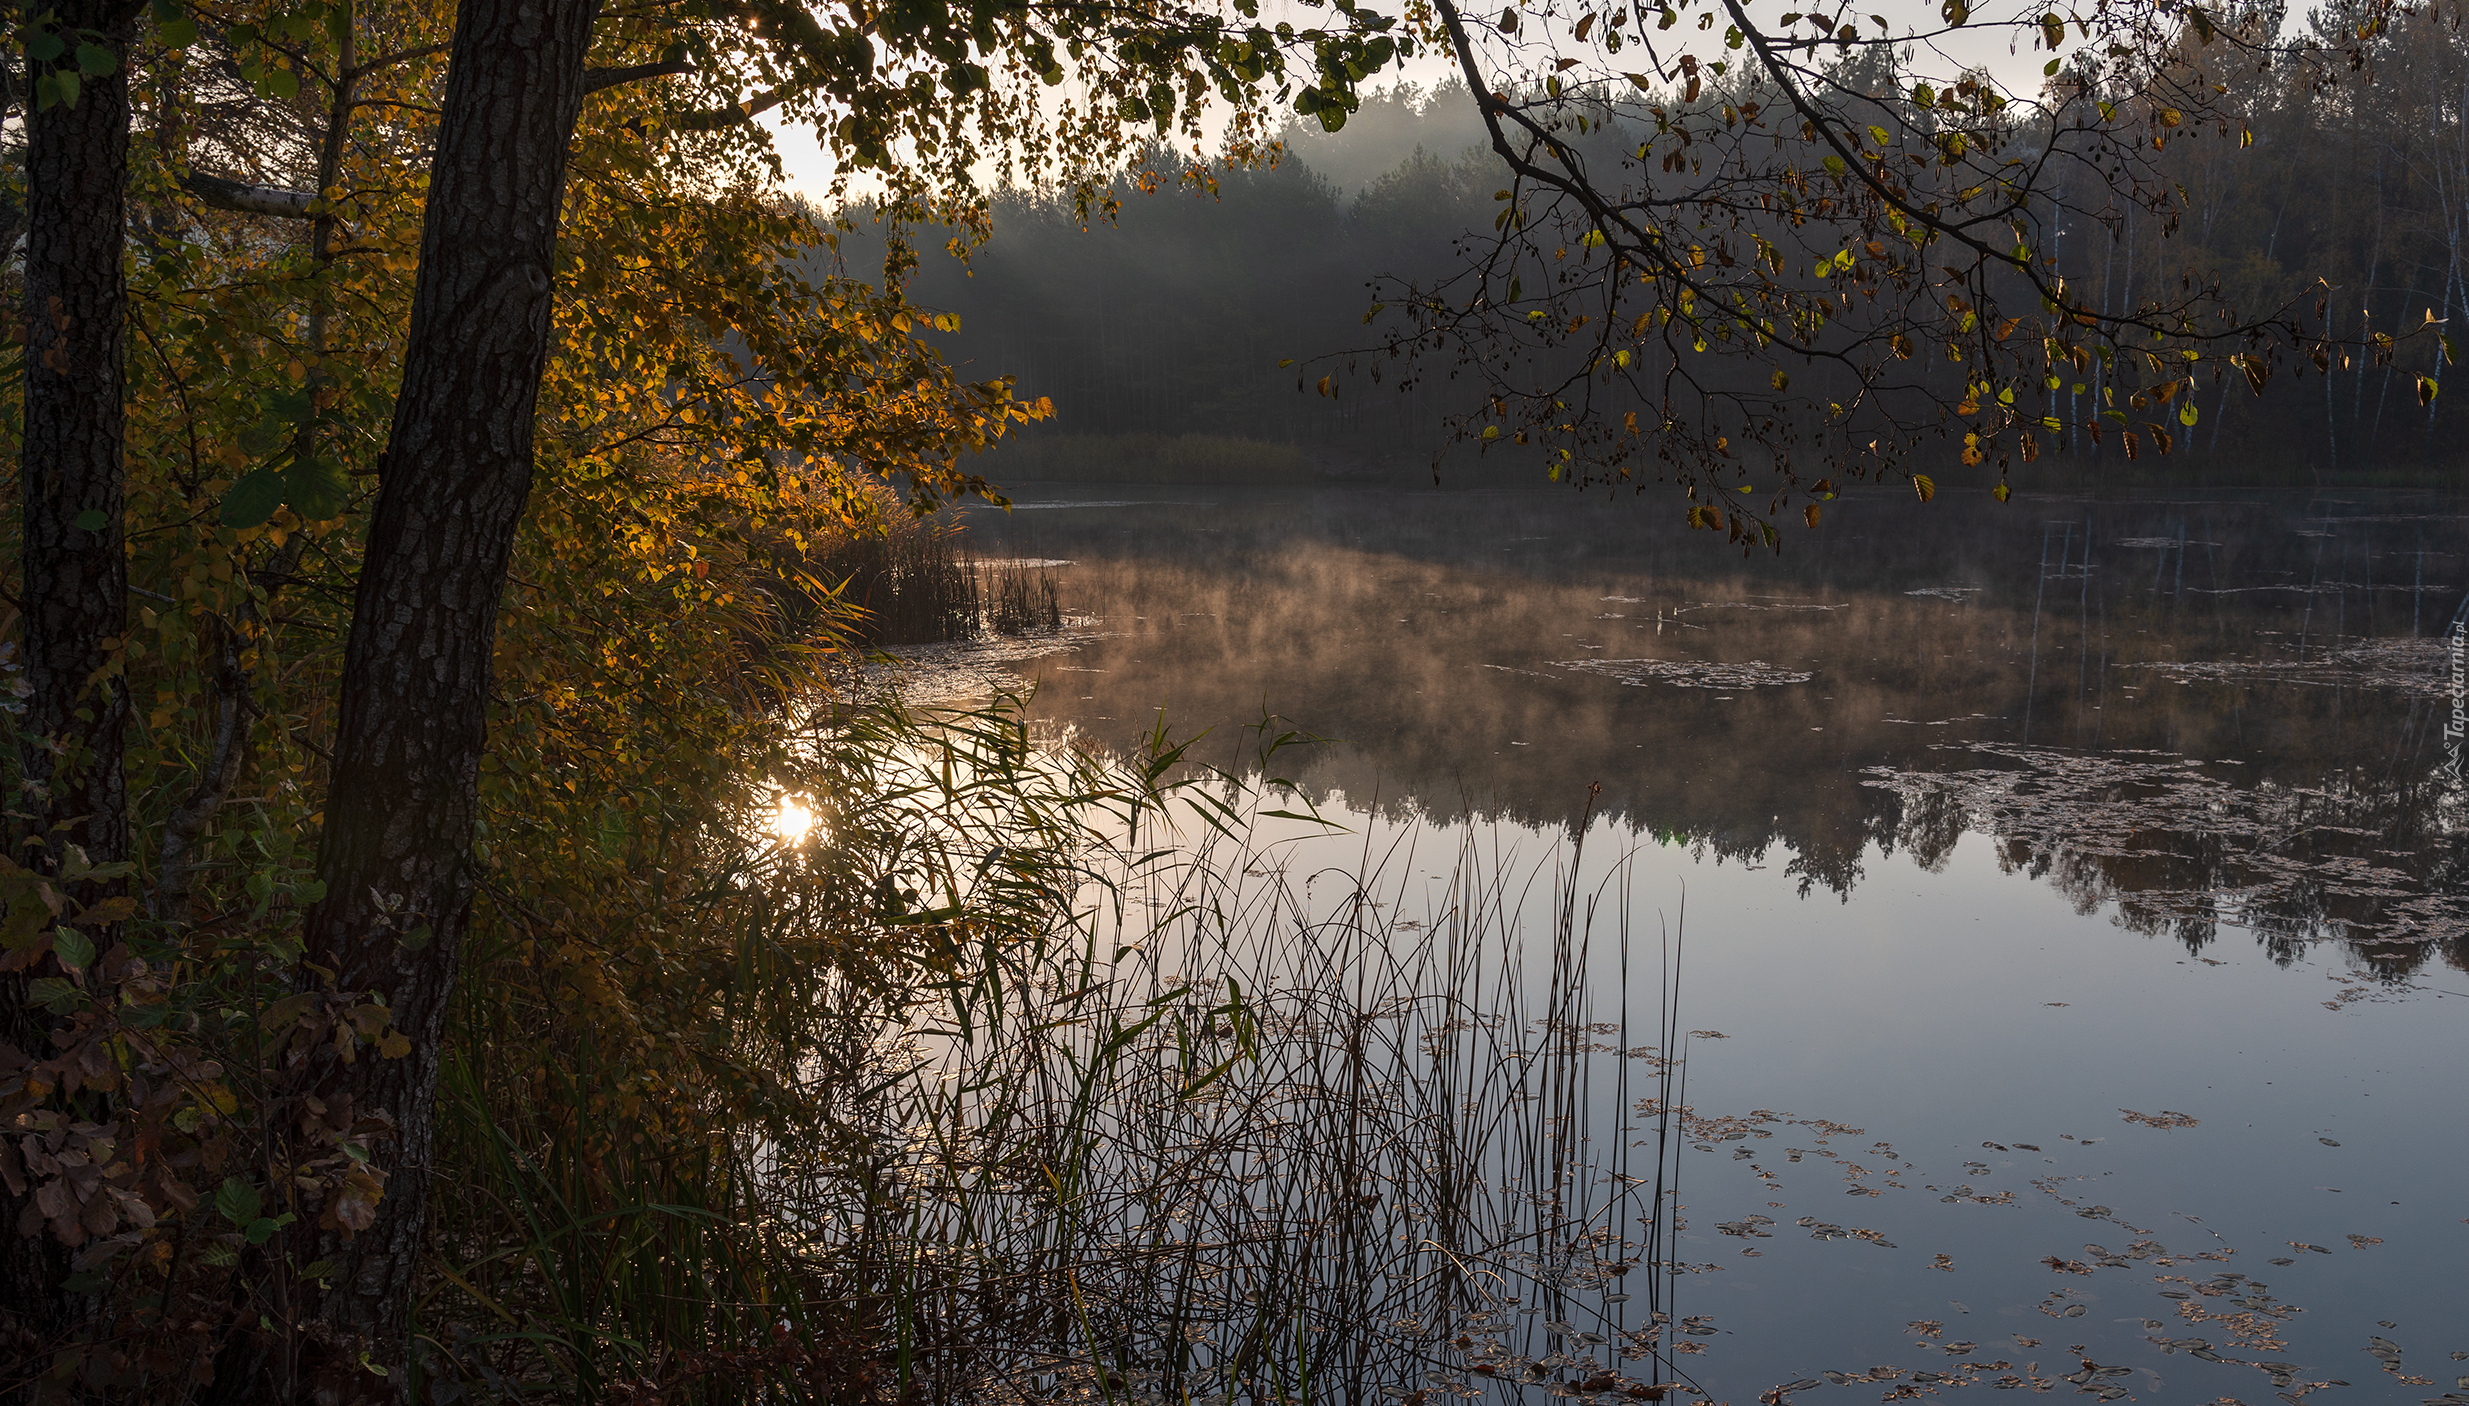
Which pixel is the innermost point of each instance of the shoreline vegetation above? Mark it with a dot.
(905, 580)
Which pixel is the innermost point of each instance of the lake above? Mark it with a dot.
(2072, 892)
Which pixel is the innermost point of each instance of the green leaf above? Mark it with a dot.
(316, 488)
(74, 949)
(236, 1201)
(261, 1231)
(57, 995)
(177, 34)
(253, 499)
(63, 87)
(94, 60)
(46, 46)
(279, 83)
(89, 521)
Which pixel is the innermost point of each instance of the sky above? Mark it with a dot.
(1989, 42)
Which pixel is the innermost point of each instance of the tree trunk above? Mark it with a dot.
(396, 852)
(76, 578)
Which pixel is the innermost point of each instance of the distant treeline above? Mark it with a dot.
(1173, 319)
(1041, 457)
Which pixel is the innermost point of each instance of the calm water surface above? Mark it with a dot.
(2061, 878)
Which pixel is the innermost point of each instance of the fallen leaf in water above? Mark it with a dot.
(2163, 1119)
(2327, 1142)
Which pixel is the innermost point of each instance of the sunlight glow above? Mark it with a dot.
(793, 821)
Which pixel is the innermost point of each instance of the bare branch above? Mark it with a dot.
(713, 119)
(275, 202)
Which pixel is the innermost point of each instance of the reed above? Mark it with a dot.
(1284, 1143)
(1035, 1075)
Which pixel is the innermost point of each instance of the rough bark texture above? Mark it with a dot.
(396, 853)
(75, 579)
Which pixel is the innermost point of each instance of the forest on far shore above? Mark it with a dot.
(1169, 322)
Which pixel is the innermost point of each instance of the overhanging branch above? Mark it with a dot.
(276, 202)
(595, 79)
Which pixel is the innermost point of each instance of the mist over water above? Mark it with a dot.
(2066, 880)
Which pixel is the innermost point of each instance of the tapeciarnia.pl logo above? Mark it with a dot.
(2456, 727)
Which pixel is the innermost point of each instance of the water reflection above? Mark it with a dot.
(2193, 713)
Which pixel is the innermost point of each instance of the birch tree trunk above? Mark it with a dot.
(396, 852)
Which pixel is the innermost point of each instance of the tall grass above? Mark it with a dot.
(1119, 1110)
(1272, 1140)
(903, 580)
(1019, 598)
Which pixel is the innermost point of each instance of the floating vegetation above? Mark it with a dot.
(1687, 673)
(1764, 605)
(954, 672)
(2410, 665)
(1957, 594)
(2162, 1119)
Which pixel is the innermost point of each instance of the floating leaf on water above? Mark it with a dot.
(2284, 1259)
(2163, 1119)
(2327, 1142)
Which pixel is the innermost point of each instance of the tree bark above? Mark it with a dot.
(75, 590)
(396, 853)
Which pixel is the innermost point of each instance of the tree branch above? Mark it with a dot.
(595, 79)
(713, 119)
(275, 202)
